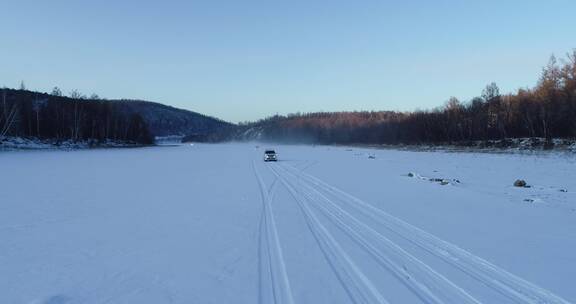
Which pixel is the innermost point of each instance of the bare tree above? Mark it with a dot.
(75, 94)
(490, 92)
(78, 113)
(10, 114)
(56, 92)
(37, 106)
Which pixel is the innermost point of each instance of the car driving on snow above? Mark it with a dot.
(270, 155)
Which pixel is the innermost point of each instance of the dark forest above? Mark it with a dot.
(76, 118)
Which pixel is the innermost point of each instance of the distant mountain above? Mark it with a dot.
(320, 127)
(163, 120)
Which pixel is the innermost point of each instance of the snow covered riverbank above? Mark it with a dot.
(21, 143)
(214, 224)
(534, 145)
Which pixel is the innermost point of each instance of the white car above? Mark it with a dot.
(270, 155)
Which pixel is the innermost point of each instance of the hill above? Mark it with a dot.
(163, 120)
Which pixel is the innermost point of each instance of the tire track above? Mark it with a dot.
(281, 290)
(423, 281)
(260, 260)
(262, 231)
(500, 280)
(356, 285)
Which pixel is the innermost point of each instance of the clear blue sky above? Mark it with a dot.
(243, 60)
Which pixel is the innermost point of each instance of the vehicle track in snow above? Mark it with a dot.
(280, 283)
(500, 280)
(260, 259)
(423, 281)
(264, 263)
(355, 283)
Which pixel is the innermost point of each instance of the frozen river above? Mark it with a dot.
(215, 224)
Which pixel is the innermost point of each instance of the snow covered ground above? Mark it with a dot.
(215, 224)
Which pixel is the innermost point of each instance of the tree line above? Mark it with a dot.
(548, 111)
(76, 118)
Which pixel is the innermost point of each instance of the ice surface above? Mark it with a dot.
(215, 224)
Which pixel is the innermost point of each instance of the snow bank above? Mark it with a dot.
(509, 145)
(21, 143)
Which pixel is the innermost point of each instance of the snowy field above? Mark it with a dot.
(215, 224)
